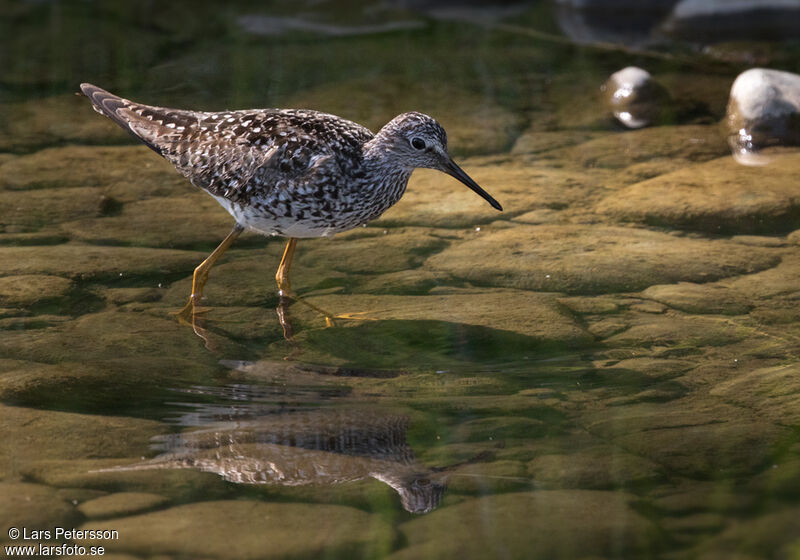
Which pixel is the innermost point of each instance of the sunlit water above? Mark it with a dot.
(607, 369)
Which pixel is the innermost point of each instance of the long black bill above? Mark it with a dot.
(458, 173)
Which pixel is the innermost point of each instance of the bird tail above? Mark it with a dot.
(128, 115)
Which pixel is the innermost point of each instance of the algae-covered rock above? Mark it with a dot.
(718, 196)
(669, 147)
(679, 330)
(54, 120)
(30, 211)
(114, 335)
(190, 220)
(594, 469)
(531, 525)
(33, 435)
(774, 535)
(33, 507)
(127, 173)
(774, 283)
(594, 259)
(489, 478)
(395, 250)
(96, 262)
(121, 504)
(534, 315)
(179, 485)
(690, 439)
(652, 368)
(27, 290)
(247, 529)
(772, 391)
(700, 298)
(435, 199)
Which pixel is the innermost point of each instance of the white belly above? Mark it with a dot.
(269, 225)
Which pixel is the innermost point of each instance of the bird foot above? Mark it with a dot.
(190, 310)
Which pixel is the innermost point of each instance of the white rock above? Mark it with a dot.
(763, 110)
(633, 97)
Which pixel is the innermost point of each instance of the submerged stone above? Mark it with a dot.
(581, 259)
(691, 438)
(679, 330)
(93, 262)
(718, 196)
(126, 173)
(700, 298)
(634, 97)
(772, 392)
(435, 200)
(120, 504)
(27, 290)
(33, 507)
(30, 211)
(595, 469)
(537, 316)
(649, 151)
(53, 120)
(774, 534)
(763, 110)
(42, 434)
(191, 220)
(531, 525)
(250, 530)
(489, 478)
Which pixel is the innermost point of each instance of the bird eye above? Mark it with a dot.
(418, 143)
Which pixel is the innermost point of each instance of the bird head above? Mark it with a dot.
(417, 140)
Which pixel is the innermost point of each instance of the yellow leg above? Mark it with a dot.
(282, 276)
(201, 272)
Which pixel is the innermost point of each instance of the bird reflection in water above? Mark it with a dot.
(308, 447)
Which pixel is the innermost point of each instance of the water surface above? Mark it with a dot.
(607, 369)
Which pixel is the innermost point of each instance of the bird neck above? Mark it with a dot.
(383, 177)
(383, 164)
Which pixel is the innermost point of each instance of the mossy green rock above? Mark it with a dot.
(120, 503)
(691, 438)
(128, 173)
(26, 290)
(772, 391)
(31, 507)
(246, 529)
(434, 199)
(594, 259)
(679, 330)
(672, 145)
(775, 532)
(700, 298)
(191, 220)
(719, 196)
(53, 120)
(537, 317)
(33, 435)
(597, 469)
(93, 262)
(531, 525)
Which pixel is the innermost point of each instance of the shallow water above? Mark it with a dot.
(607, 369)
